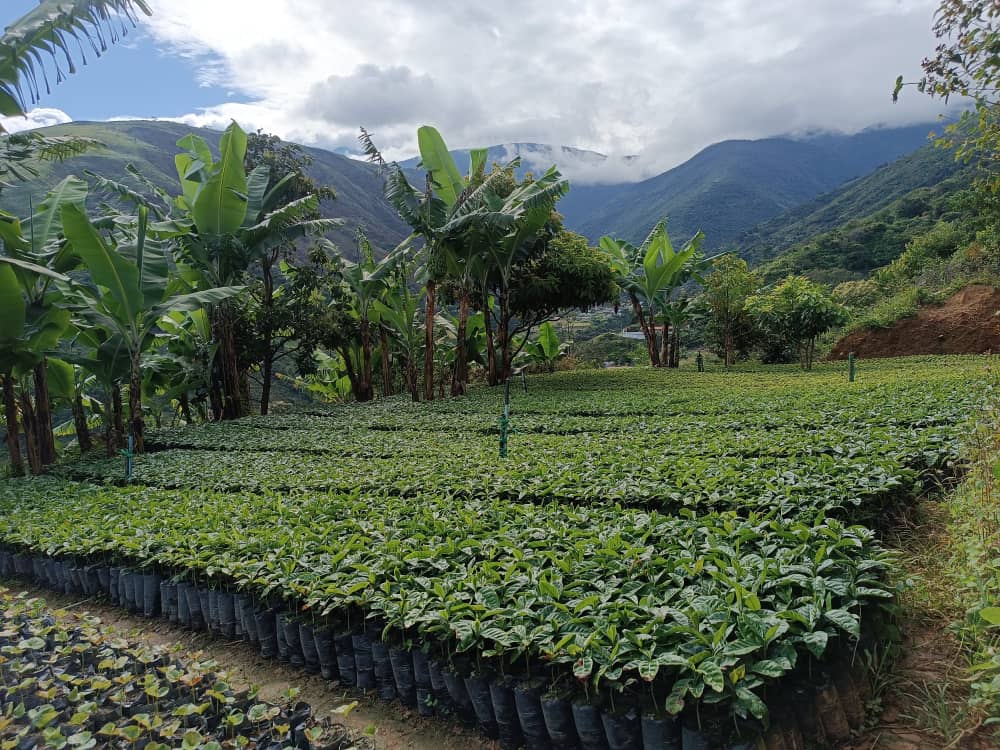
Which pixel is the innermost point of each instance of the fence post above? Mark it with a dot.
(850, 367)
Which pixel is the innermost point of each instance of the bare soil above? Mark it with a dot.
(394, 726)
(968, 322)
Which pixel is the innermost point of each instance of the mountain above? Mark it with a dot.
(927, 167)
(151, 146)
(760, 197)
(580, 166)
(867, 223)
(730, 187)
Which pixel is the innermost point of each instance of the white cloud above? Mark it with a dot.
(40, 117)
(615, 76)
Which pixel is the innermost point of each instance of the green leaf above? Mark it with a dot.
(712, 673)
(107, 268)
(816, 642)
(436, 159)
(991, 615)
(61, 377)
(220, 205)
(12, 312)
(844, 620)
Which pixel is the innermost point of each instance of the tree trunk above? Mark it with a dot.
(491, 352)
(728, 346)
(185, 403)
(675, 347)
(366, 392)
(267, 363)
(460, 378)
(119, 421)
(80, 424)
(135, 405)
(232, 393)
(503, 331)
(411, 378)
(31, 433)
(265, 386)
(648, 335)
(215, 394)
(665, 344)
(43, 415)
(429, 304)
(386, 361)
(13, 429)
(110, 443)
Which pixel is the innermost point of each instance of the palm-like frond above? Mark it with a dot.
(44, 37)
(371, 150)
(18, 151)
(123, 192)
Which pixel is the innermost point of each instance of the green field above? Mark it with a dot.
(668, 539)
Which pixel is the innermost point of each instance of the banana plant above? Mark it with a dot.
(183, 362)
(546, 350)
(397, 311)
(449, 205)
(30, 266)
(129, 291)
(365, 283)
(225, 220)
(649, 274)
(517, 221)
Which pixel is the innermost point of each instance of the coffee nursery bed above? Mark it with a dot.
(666, 559)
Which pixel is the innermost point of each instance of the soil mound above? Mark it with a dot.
(968, 322)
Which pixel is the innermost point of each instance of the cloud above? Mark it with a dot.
(41, 117)
(620, 77)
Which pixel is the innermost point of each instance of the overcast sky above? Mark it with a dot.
(659, 78)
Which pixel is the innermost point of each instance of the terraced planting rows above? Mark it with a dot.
(670, 544)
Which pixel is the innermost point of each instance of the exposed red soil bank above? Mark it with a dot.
(968, 322)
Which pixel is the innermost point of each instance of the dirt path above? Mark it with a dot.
(394, 726)
(923, 694)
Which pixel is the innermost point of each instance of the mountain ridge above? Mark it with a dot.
(732, 189)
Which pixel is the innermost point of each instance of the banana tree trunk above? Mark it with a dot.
(135, 404)
(503, 333)
(43, 414)
(215, 394)
(386, 361)
(429, 305)
(231, 391)
(460, 376)
(491, 351)
(366, 393)
(267, 362)
(119, 420)
(675, 347)
(412, 383)
(80, 424)
(13, 428)
(665, 344)
(266, 367)
(648, 332)
(30, 423)
(185, 404)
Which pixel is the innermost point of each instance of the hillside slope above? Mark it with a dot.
(727, 189)
(730, 187)
(151, 146)
(857, 199)
(968, 322)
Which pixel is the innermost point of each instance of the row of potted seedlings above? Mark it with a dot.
(66, 683)
(518, 712)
